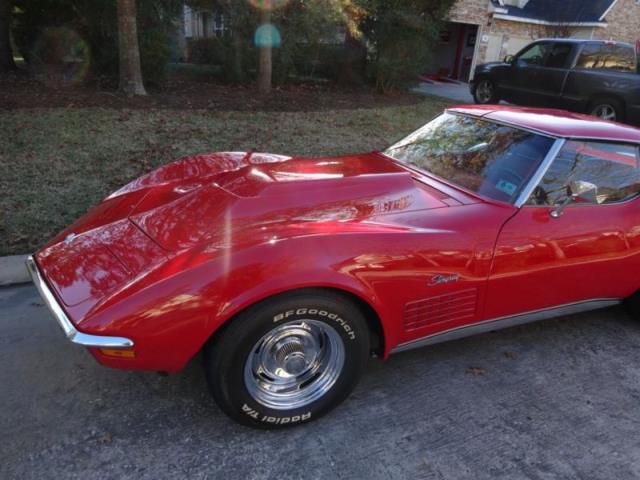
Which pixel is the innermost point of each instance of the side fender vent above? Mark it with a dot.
(455, 306)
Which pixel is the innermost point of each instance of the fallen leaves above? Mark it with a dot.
(105, 439)
(475, 371)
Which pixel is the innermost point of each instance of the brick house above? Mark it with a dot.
(481, 31)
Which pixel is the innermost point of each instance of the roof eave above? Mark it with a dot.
(534, 21)
(604, 15)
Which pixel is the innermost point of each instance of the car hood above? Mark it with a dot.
(255, 198)
(230, 200)
(490, 66)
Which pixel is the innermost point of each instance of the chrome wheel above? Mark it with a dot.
(294, 364)
(484, 91)
(605, 112)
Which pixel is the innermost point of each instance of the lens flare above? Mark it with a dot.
(267, 35)
(268, 5)
(60, 56)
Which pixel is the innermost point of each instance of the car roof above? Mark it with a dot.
(555, 123)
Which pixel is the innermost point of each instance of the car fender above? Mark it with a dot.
(177, 314)
(280, 273)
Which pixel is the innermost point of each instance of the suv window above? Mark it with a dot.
(608, 57)
(534, 55)
(613, 168)
(558, 55)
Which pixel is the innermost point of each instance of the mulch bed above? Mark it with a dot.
(181, 92)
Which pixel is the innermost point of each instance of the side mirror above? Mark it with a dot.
(581, 190)
(577, 190)
(508, 59)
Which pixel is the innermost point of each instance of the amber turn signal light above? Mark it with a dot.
(115, 352)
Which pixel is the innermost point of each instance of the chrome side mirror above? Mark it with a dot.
(577, 190)
(508, 59)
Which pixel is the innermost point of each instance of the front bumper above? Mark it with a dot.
(68, 328)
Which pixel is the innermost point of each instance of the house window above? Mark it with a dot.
(188, 22)
(218, 25)
(206, 23)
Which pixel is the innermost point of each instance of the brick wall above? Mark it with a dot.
(475, 12)
(623, 22)
(470, 11)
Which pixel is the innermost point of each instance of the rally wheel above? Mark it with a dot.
(288, 360)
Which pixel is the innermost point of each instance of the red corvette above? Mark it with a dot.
(288, 273)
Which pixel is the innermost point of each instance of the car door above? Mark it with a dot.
(523, 83)
(590, 251)
(551, 77)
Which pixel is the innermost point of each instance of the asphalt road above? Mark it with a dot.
(558, 399)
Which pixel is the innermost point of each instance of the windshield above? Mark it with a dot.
(486, 158)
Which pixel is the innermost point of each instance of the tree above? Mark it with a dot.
(6, 53)
(130, 71)
(402, 36)
(265, 68)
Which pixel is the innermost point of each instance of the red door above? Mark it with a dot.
(590, 252)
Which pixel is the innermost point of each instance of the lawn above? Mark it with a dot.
(56, 163)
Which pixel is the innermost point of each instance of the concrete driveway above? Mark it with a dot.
(458, 92)
(554, 400)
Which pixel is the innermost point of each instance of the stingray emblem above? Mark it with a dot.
(69, 238)
(442, 279)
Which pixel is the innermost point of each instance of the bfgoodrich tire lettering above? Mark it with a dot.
(288, 360)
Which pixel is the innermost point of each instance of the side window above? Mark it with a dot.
(607, 57)
(613, 168)
(558, 55)
(534, 55)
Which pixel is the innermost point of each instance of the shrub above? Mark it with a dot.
(402, 36)
(207, 51)
(95, 21)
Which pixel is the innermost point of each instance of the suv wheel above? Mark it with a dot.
(485, 92)
(607, 109)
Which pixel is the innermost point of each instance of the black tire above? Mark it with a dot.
(607, 108)
(632, 305)
(485, 92)
(227, 354)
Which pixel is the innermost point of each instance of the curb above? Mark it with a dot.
(13, 270)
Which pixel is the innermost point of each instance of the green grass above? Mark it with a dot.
(57, 163)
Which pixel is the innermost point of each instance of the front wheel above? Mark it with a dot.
(485, 92)
(288, 360)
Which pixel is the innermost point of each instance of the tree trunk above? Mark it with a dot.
(130, 71)
(352, 64)
(266, 66)
(6, 54)
(238, 67)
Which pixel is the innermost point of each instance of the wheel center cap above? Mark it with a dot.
(291, 357)
(295, 363)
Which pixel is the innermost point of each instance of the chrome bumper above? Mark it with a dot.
(69, 330)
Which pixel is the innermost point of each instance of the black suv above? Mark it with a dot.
(588, 76)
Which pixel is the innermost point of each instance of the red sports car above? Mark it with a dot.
(289, 273)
